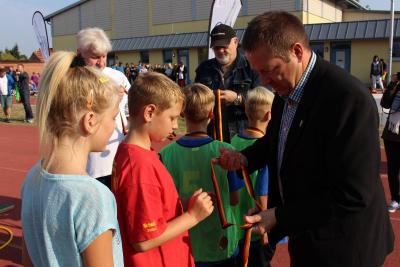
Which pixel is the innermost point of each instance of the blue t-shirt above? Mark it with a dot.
(63, 214)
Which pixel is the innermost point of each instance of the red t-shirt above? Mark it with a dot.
(146, 200)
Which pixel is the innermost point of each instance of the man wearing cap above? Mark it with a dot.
(230, 72)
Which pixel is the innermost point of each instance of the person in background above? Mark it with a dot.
(181, 73)
(169, 71)
(93, 46)
(376, 73)
(35, 78)
(391, 140)
(230, 72)
(10, 86)
(120, 67)
(384, 72)
(5, 94)
(133, 73)
(22, 81)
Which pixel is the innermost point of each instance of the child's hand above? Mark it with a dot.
(200, 205)
(213, 197)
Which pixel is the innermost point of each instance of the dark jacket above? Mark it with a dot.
(243, 79)
(334, 209)
(386, 134)
(22, 80)
(378, 71)
(10, 83)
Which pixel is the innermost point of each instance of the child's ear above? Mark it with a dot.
(211, 114)
(267, 116)
(148, 112)
(89, 123)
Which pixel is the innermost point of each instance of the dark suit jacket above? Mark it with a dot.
(334, 209)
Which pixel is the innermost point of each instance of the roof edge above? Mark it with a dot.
(353, 3)
(55, 13)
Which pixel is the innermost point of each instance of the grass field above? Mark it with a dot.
(17, 114)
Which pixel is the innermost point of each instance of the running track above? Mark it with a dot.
(19, 151)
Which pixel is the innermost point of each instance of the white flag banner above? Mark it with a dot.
(225, 12)
(39, 27)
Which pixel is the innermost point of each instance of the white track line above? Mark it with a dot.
(15, 170)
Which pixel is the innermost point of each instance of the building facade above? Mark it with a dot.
(162, 31)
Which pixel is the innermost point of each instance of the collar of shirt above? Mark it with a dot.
(295, 96)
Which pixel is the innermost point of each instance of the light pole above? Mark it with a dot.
(391, 43)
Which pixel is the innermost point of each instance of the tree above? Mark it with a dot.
(7, 56)
(12, 54)
(15, 52)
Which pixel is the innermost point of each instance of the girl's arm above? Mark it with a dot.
(99, 252)
(26, 260)
(200, 207)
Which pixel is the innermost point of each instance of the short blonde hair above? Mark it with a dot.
(199, 100)
(153, 88)
(94, 40)
(65, 92)
(258, 101)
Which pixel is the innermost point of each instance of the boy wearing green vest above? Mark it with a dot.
(189, 162)
(258, 103)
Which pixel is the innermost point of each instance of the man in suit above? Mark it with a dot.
(322, 150)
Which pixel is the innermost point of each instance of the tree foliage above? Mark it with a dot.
(12, 54)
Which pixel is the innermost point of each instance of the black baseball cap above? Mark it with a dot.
(221, 35)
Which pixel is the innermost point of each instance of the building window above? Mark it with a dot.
(167, 56)
(144, 56)
(318, 48)
(203, 54)
(396, 49)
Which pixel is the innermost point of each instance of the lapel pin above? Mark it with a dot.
(301, 123)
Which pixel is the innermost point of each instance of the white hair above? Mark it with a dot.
(93, 39)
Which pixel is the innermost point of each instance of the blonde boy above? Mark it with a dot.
(153, 224)
(258, 105)
(188, 160)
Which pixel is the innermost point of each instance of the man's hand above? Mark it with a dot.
(228, 95)
(231, 160)
(263, 221)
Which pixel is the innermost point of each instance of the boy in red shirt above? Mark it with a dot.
(154, 228)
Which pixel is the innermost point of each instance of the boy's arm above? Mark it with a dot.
(200, 207)
(261, 189)
(235, 183)
(174, 228)
(263, 200)
(185, 203)
(26, 259)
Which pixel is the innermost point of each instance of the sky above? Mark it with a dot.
(16, 19)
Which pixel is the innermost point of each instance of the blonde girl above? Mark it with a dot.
(69, 218)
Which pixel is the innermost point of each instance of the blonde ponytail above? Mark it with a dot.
(64, 92)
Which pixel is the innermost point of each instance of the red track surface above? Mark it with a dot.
(19, 151)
